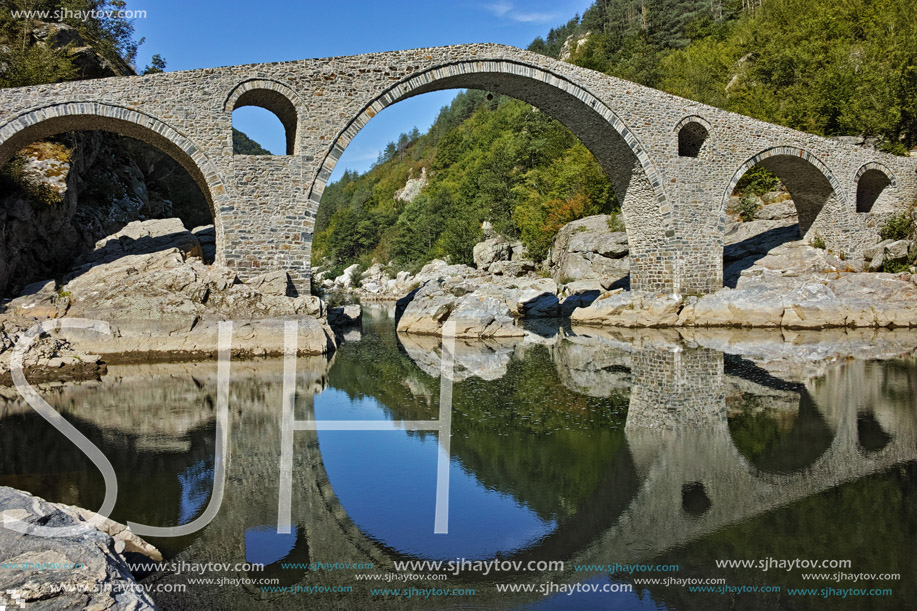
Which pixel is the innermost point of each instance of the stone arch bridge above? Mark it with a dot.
(673, 162)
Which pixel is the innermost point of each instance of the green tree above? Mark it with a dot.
(157, 65)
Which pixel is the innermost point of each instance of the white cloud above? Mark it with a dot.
(506, 10)
(533, 17)
(499, 8)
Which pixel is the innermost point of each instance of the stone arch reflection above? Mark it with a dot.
(777, 440)
(577, 483)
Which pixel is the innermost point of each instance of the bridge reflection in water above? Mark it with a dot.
(577, 445)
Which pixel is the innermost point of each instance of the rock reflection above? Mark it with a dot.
(627, 444)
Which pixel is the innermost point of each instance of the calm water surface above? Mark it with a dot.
(585, 448)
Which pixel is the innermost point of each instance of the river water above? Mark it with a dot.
(599, 470)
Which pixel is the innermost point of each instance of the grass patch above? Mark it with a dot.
(616, 222)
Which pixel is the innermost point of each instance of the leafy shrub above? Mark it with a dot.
(818, 242)
(616, 222)
(898, 227)
(894, 267)
(757, 181)
(747, 208)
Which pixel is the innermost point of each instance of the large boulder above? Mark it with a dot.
(349, 277)
(630, 309)
(275, 283)
(149, 282)
(99, 577)
(588, 249)
(461, 295)
(142, 237)
(490, 251)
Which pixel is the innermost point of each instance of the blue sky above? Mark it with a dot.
(193, 34)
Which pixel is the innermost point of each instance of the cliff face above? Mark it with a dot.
(57, 199)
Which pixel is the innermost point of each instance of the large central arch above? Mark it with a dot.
(46, 121)
(648, 213)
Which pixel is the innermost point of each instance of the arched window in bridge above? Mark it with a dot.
(691, 139)
(264, 123)
(869, 188)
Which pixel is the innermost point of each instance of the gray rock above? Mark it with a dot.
(897, 251)
(779, 211)
(877, 261)
(412, 188)
(103, 581)
(490, 251)
(538, 301)
(519, 252)
(347, 279)
(455, 294)
(175, 301)
(141, 237)
(38, 299)
(625, 308)
(872, 251)
(589, 249)
(511, 268)
(271, 283)
(345, 316)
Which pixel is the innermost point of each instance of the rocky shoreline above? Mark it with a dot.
(85, 570)
(149, 282)
(772, 278)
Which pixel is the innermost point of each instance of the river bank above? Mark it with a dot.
(772, 279)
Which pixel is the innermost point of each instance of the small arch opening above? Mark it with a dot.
(691, 139)
(871, 437)
(694, 499)
(869, 187)
(264, 123)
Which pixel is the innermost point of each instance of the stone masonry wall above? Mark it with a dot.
(264, 207)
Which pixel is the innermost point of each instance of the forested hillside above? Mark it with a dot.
(817, 65)
(489, 158)
(821, 66)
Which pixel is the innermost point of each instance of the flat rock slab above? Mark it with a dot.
(92, 573)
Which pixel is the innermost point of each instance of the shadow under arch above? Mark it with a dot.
(647, 211)
(783, 453)
(46, 121)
